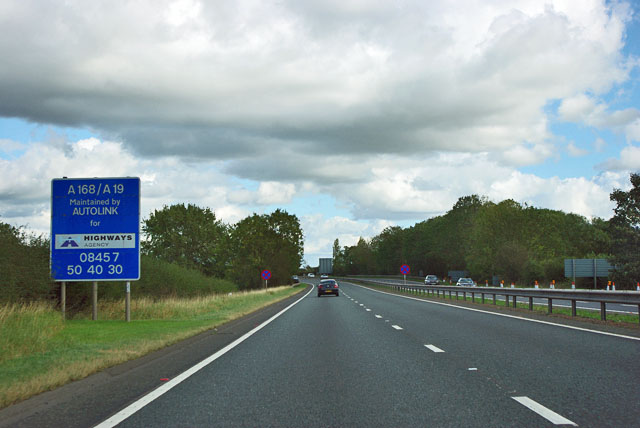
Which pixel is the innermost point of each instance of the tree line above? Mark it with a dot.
(195, 238)
(185, 250)
(515, 242)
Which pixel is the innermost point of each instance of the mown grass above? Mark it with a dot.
(39, 351)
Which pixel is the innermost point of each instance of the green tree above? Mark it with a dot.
(188, 236)
(625, 232)
(339, 267)
(363, 258)
(389, 250)
(24, 266)
(274, 242)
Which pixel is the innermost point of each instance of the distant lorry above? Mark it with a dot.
(326, 266)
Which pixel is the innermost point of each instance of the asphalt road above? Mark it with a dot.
(368, 358)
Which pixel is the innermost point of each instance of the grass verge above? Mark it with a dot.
(39, 351)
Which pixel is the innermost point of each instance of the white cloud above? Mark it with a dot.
(271, 192)
(392, 109)
(221, 80)
(578, 108)
(9, 146)
(632, 130)
(629, 160)
(527, 154)
(321, 231)
(396, 189)
(576, 151)
(586, 110)
(599, 145)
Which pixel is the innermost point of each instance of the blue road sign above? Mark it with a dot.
(266, 274)
(95, 229)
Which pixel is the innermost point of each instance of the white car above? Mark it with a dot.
(311, 275)
(324, 275)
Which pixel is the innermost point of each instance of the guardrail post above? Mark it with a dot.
(456, 295)
(482, 295)
(603, 311)
(506, 300)
(494, 299)
(464, 295)
(550, 305)
(573, 308)
(530, 303)
(473, 297)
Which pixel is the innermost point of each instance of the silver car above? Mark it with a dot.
(466, 282)
(430, 280)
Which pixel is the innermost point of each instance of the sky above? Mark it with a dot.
(354, 115)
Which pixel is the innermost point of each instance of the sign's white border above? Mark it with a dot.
(52, 237)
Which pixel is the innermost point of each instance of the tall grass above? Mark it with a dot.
(181, 308)
(25, 329)
(39, 351)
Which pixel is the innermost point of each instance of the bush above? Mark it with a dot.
(25, 276)
(24, 266)
(158, 279)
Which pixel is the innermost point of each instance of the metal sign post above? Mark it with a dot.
(266, 275)
(127, 303)
(95, 230)
(404, 269)
(63, 299)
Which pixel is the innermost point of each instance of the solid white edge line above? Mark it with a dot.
(156, 393)
(548, 414)
(433, 348)
(622, 336)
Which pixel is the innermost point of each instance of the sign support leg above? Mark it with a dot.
(127, 303)
(63, 299)
(94, 300)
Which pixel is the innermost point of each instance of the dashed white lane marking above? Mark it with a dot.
(378, 316)
(604, 333)
(368, 310)
(548, 414)
(473, 369)
(433, 348)
(397, 327)
(361, 304)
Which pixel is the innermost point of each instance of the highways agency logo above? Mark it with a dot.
(70, 242)
(95, 241)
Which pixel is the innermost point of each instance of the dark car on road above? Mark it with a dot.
(328, 286)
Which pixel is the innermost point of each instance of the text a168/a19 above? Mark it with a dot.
(92, 189)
